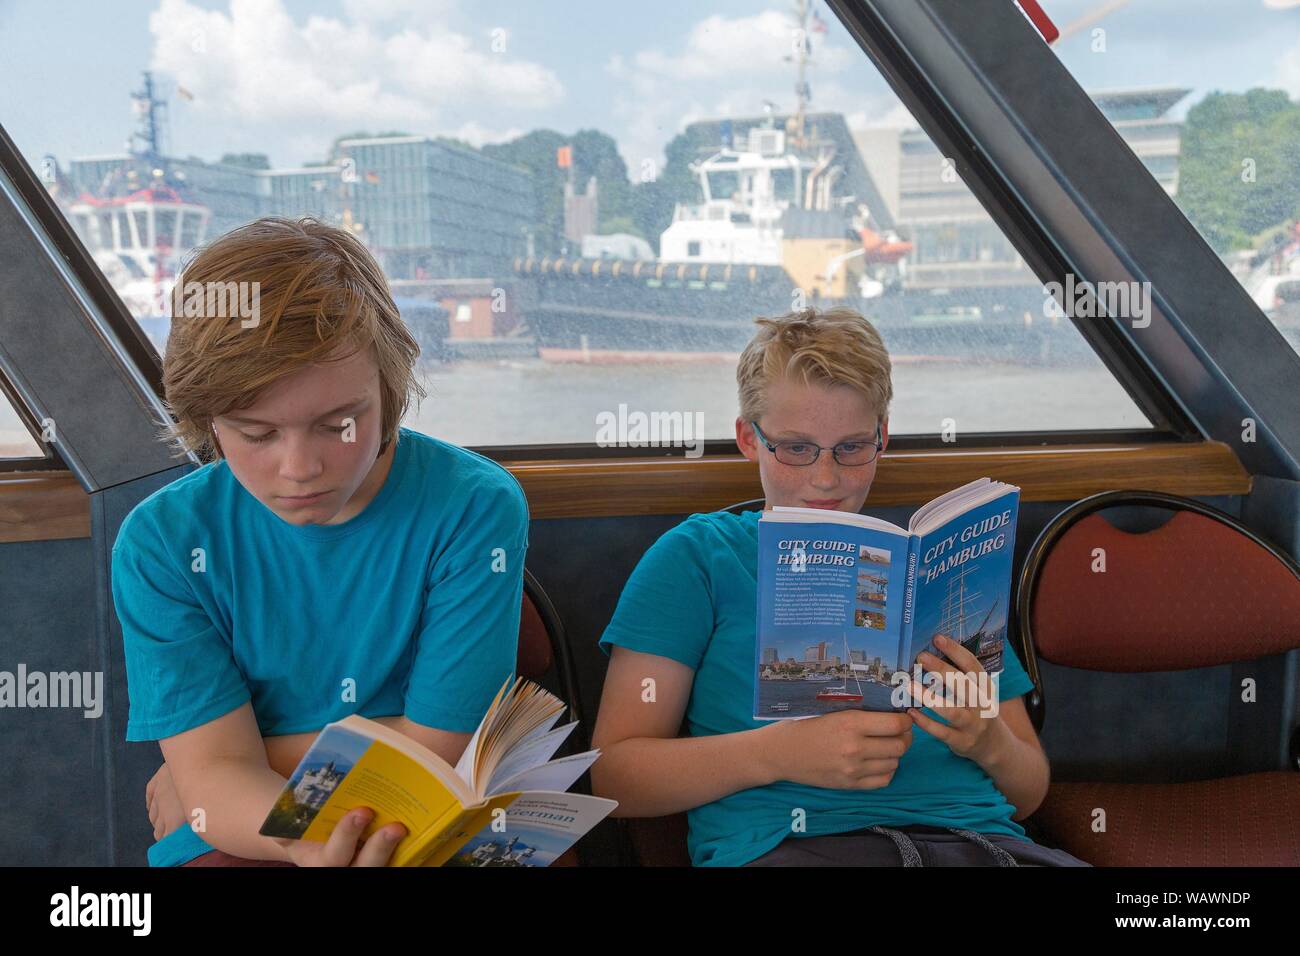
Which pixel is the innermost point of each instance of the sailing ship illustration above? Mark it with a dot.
(957, 611)
(842, 694)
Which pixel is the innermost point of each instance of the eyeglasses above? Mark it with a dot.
(806, 453)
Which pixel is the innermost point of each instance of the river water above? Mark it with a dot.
(529, 401)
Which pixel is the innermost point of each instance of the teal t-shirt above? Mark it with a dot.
(411, 607)
(692, 598)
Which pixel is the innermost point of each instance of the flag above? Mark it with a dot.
(372, 176)
(564, 157)
(818, 24)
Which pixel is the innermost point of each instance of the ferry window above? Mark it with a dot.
(479, 149)
(16, 440)
(783, 185)
(723, 185)
(1208, 96)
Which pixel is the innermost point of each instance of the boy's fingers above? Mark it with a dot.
(962, 657)
(884, 725)
(379, 848)
(341, 846)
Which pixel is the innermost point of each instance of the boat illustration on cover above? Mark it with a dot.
(842, 693)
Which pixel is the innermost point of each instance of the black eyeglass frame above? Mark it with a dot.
(834, 450)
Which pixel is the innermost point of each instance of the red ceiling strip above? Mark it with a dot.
(1040, 20)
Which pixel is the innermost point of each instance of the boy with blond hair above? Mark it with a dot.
(847, 788)
(326, 561)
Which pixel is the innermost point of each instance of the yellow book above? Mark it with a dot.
(503, 804)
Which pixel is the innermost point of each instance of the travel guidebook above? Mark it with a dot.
(846, 601)
(503, 804)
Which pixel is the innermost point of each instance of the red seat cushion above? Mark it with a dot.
(1249, 820)
(1192, 593)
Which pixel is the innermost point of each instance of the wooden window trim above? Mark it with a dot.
(40, 506)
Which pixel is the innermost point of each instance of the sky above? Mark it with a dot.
(285, 77)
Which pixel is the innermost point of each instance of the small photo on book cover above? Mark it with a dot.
(331, 758)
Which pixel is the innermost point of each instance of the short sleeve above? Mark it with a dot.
(180, 670)
(1014, 680)
(666, 607)
(468, 642)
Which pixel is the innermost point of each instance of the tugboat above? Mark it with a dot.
(785, 204)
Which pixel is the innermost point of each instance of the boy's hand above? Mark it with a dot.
(166, 812)
(969, 733)
(846, 750)
(341, 847)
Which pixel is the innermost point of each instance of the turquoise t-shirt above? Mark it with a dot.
(411, 607)
(692, 598)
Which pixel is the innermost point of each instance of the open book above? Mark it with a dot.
(503, 804)
(846, 602)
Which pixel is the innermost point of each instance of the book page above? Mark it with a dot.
(557, 775)
(784, 513)
(530, 753)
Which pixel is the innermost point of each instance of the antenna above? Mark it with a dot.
(802, 92)
(151, 111)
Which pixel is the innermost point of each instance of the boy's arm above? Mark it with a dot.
(285, 752)
(644, 765)
(1016, 761)
(221, 769)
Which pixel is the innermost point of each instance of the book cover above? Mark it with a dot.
(830, 622)
(847, 602)
(505, 800)
(963, 582)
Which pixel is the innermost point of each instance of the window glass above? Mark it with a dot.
(1208, 96)
(15, 439)
(536, 196)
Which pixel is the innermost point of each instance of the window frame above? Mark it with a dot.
(868, 21)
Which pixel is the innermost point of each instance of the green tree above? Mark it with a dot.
(1237, 174)
(653, 200)
(596, 154)
(535, 152)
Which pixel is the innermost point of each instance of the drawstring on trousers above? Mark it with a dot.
(912, 856)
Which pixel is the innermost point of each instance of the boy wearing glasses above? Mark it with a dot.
(848, 788)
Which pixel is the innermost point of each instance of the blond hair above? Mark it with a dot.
(830, 347)
(319, 289)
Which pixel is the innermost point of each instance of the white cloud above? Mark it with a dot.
(725, 47)
(729, 67)
(257, 72)
(381, 11)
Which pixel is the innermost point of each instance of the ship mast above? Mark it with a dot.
(796, 128)
(150, 109)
